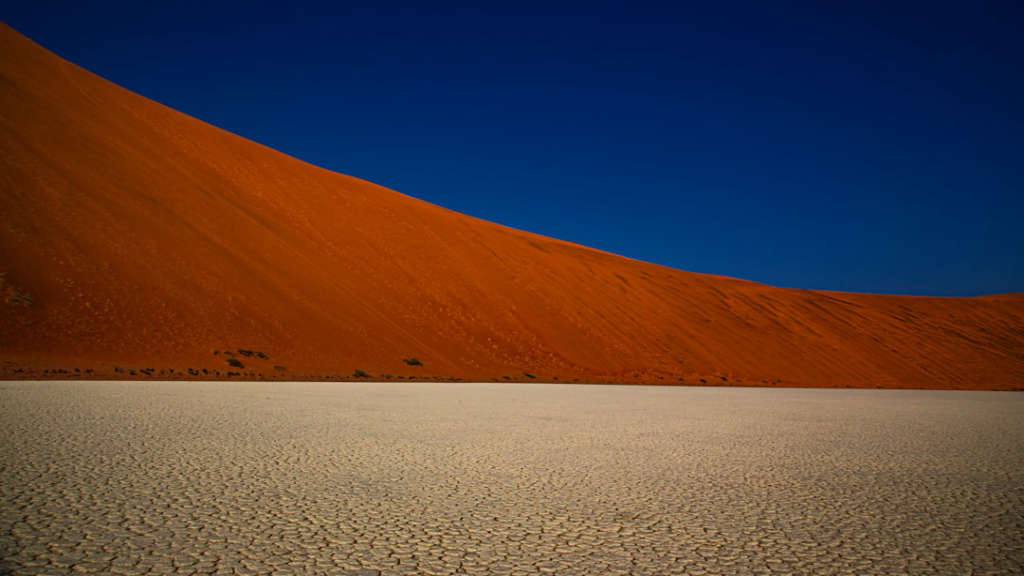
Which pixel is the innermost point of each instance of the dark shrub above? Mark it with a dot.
(528, 375)
(413, 361)
(360, 374)
(235, 362)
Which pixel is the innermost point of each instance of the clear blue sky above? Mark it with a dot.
(839, 145)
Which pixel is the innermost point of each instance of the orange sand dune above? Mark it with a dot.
(138, 237)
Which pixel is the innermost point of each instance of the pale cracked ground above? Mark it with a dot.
(244, 478)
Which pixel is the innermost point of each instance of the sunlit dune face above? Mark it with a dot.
(139, 242)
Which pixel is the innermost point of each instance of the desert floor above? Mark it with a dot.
(355, 478)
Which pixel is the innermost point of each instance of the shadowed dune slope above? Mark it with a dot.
(136, 236)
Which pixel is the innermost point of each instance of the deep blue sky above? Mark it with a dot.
(866, 147)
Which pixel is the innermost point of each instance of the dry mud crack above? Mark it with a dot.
(366, 478)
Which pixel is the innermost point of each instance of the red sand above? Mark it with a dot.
(136, 236)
